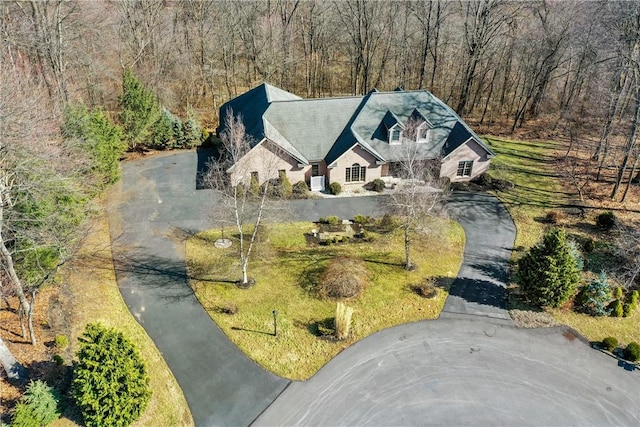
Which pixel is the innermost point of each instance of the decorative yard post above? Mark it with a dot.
(275, 323)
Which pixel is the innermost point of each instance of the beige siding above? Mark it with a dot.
(468, 151)
(267, 162)
(355, 155)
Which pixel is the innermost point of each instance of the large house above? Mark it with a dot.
(351, 140)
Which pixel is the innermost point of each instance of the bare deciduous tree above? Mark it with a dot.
(418, 198)
(240, 199)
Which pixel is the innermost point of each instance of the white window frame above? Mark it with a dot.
(392, 130)
(427, 134)
(465, 169)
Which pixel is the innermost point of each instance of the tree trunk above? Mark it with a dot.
(631, 141)
(633, 171)
(15, 371)
(407, 247)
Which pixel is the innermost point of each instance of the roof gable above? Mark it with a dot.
(325, 128)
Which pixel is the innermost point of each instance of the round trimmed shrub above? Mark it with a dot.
(110, 384)
(361, 219)
(589, 245)
(632, 352)
(610, 343)
(335, 188)
(377, 185)
(616, 308)
(606, 220)
(627, 309)
(552, 217)
(343, 278)
(300, 190)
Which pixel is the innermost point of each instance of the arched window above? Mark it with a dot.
(356, 173)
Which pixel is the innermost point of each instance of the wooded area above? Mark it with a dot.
(573, 64)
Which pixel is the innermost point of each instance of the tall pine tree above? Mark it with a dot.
(140, 110)
(548, 273)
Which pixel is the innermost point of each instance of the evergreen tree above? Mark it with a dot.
(593, 298)
(110, 384)
(140, 110)
(162, 137)
(548, 273)
(178, 134)
(99, 137)
(192, 133)
(38, 407)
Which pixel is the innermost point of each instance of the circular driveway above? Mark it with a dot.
(470, 367)
(463, 372)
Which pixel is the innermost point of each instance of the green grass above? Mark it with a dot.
(286, 270)
(625, 329)
(529, 166)
(538, 189)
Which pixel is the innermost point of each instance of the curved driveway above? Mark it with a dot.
(471, 366)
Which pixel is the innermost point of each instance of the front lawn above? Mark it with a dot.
(286, 270)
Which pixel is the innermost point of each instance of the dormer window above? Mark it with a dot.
(422, 133)
(395, 133)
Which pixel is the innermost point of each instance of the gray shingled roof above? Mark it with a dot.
(325, 128)
(251, 106)
(312, 125)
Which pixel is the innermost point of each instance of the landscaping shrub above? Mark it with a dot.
(38, 407)
(632, 352)
(552, 217)
(426, 288)
(632, 298)
(61, 342)
(610, 343)
(343, 320)
(589, 245)
(576, 255)
(333, 220)
(376, 185)
(335, 188)
(606, 220)
(388, 222)
(594, 297)
(617, 293)
(627, 309)
(343, 278)
(110, 384)
(616, 308)
(58, 360)
(300, 190)
(285, 189)
(361, 219)
(548, 273)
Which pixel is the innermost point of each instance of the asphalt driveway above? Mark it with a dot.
(469, 367)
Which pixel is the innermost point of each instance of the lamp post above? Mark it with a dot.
(275, 323)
